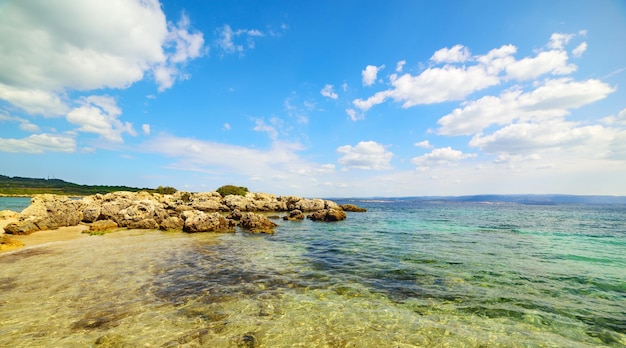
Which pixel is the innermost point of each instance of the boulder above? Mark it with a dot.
(257, 223)
(352, 208)
(47, 212)
(235, 215)
(172, 223)
(328, 215)
(207, 201)
(145, 224)
(91, 212)
(199, 221)
(310, 204)
(21, 227)
(8, 214)
(139, 211)
(103, 225)
(294, 215)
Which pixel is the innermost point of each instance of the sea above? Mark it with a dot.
(407, 273)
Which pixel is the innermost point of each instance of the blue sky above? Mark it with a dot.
(324, 98)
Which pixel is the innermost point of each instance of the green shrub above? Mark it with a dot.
(167, 190)
(232, 190)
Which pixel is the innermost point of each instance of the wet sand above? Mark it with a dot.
(41, 237)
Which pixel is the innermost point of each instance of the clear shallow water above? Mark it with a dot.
(14, 203)
(403, 274)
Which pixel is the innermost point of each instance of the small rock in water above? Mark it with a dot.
(247, 341)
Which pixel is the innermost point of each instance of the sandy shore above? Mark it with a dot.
(41, 237)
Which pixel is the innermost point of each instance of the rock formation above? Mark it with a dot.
(190, 212)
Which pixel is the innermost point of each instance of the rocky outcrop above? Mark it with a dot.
(294, 215)
(257, 223)
(191, 212)
(352, 208)
(47, 212)
(199, 221)
(328, 215)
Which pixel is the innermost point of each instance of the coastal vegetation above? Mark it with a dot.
(232, 190)
(20, 186)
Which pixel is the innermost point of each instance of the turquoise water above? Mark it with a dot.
(14, 203)
(404, 274)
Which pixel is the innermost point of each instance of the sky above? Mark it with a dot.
(317, 98)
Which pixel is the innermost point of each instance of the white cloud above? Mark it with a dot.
(33, 100)
(400, 65)
(424, 144)
(39, 143)
(580, 49)
(552, 99)
(49, 48)
(281, 160)
(554, 62)
(354, 115)
(456, 54)
(464, 74)
(145, 128)
(271, 130)
(559, 40)
(99, 115)
(370, 73)
(25, 124)
(532, 138)
(620, 119)
(368, 155)
(228, 37)
(329, 92)
(440, 157)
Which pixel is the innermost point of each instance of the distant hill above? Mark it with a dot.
(29, 186)
(530, 199)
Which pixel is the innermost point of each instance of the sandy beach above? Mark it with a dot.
(40, 237)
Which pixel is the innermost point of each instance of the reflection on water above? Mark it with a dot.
(358, 284)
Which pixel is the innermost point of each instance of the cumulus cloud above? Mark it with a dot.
(554, 98)
(440, 157)
(229, 39)
(50, 48)
(464, 74)
(368, 155)
(99, 115)
(456, 54)
(39, 143)
(145, 128)
(329, 92)
(554, 62)
(559, 40)
(370, 74)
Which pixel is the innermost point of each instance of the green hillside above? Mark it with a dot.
(29, 186)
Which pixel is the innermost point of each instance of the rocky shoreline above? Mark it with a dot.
(181, 211)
